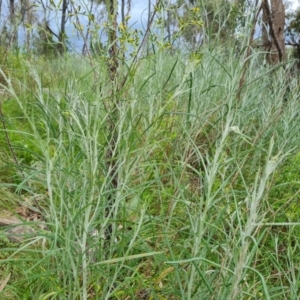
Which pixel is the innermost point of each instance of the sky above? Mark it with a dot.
(295, 4)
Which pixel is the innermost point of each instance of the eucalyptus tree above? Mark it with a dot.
(29, 17)
(293, 34)
(181, 20)
(62, 33)
(123, 14)
(64, 8)
(273, 30)
(13, 20)
(21, 13)
(220, 18)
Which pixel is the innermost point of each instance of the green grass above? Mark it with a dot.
(207, 199)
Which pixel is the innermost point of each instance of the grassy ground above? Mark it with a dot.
(206, 205)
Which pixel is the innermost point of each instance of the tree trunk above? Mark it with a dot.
(273, 33)
(85, 47)
(148, 22)
(111, 155)
(265, 27)
(128, 7)
(13, 22)
(123, 12)
(62, 33)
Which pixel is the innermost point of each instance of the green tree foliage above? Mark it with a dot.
(293, 32)
(44, 43)
(221, 19)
